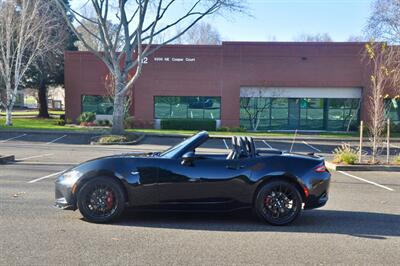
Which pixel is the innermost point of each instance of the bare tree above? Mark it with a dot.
(94, 42)
(384, 22)
(24, 33)
(139, 22)
(110, 88)
(254, 104)
(356, 38)
(319, 37)
(384, 64)
(201, 33)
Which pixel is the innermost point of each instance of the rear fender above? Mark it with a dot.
(285, 177)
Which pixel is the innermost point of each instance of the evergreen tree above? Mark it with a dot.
(48, 70)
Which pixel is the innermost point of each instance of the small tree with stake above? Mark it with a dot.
(384, 63)
(139, 22)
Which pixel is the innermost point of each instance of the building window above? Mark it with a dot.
(312, 113)
(196, 107)
(279, 113)
(343, 114)
(393, 110)
(254, 113)
(101, 105)
(260, 113)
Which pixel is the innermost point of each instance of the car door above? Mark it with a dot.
(204, 181)
(141, 176)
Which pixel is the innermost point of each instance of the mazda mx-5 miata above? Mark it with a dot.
(277, 185)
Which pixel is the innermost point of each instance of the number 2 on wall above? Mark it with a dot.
(145, 60)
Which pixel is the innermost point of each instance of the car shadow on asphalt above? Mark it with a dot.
(358, 224)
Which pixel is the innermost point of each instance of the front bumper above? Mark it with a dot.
(64, 197)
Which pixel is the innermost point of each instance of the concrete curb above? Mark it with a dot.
(68, 132)
(307, 137)
(185, 135)
(7, 159)
(364, 167)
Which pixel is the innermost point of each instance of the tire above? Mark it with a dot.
(278, 203)
(101, 200)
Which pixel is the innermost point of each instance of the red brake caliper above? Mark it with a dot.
(267, 201)
(110, 200)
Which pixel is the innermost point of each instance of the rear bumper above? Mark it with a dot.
(316, 202)
(319, 194)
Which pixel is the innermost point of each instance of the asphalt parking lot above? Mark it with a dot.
(359, 225)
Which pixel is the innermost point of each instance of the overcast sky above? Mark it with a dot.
(283, 20)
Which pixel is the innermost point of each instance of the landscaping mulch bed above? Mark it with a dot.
(128, 139)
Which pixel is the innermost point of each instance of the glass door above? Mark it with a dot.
(294, 113)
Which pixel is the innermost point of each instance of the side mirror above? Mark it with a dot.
(188, 158)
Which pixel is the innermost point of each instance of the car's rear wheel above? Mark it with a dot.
(101, 200)
(278, 203)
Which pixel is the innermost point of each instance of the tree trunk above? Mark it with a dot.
(118, 115)
(43, 107)
(8, 116)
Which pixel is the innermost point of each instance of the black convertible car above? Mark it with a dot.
(275, 184)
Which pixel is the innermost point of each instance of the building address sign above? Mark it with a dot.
(170, 59)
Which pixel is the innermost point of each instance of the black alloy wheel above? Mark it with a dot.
(101, 200)
(278, 203)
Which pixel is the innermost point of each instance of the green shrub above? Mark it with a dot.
(232, 129)
(223, 129)
(86, 117)
(103, 123)
(189, 124)
(397, 159)
(60, 122)
(345, 154)
(129, 122)
(68, 121)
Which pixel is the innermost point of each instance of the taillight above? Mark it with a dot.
(320, 169)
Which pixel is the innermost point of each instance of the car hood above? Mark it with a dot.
(125, 155)
(111, 157)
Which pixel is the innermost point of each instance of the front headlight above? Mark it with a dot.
(70, 177)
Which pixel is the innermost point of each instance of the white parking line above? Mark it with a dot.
(35, 156)
(312, 147)
(226, 145)
(57, 139)
(17, 137)
(366, 181)
(266, 143)
(44, 177)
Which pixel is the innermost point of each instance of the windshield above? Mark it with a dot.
(173, 151)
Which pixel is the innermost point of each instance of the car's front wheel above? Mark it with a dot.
(278, 203)
(101, 200)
